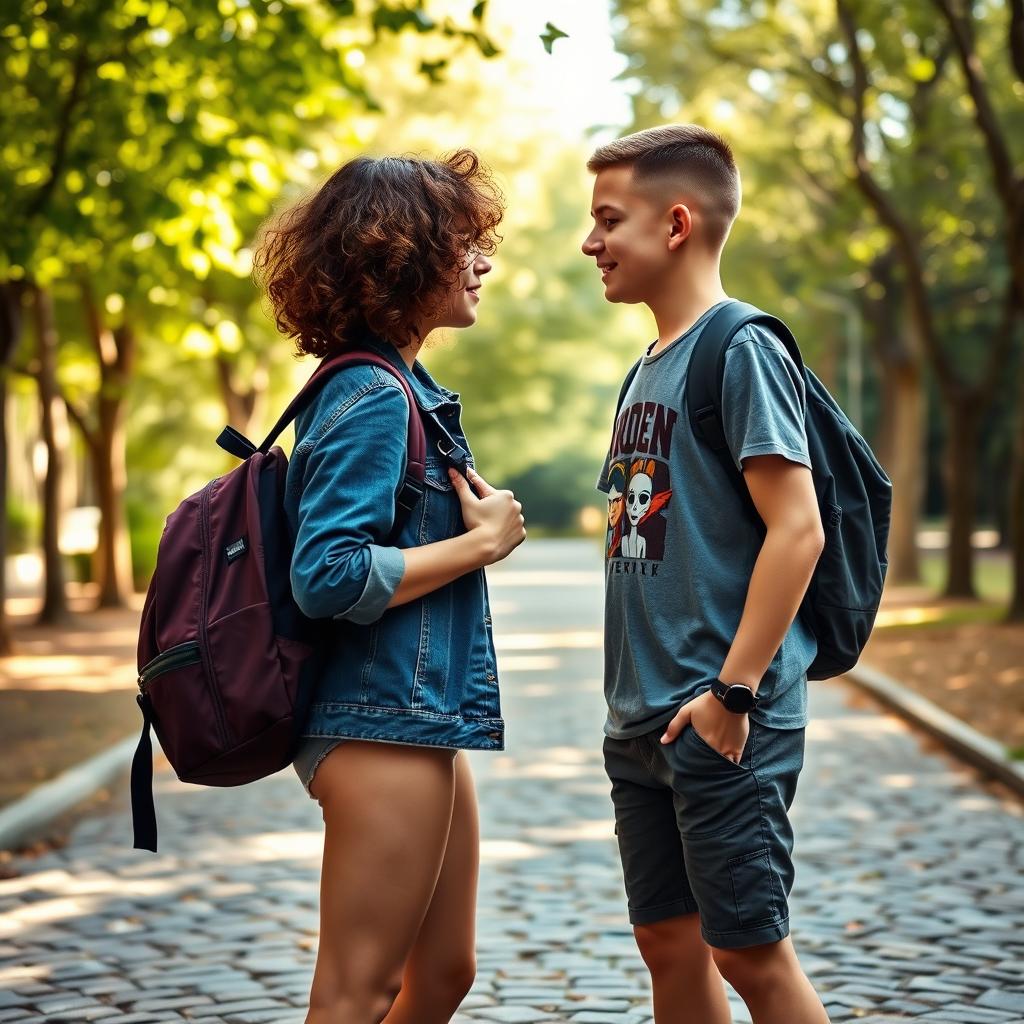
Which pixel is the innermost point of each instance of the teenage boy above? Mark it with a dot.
(705, 662)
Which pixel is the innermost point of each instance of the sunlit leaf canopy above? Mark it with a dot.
(144, 144)
(773, 76)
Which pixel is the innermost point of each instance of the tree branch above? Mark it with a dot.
(79, 416)
(99, 333)
(984, 112)
(999, 352)
(1017, 36)
(884, 207)
(81, 420)
(65, 123)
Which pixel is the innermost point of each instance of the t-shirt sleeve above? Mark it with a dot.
(764, 399)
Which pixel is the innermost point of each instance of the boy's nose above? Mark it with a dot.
(591, 247)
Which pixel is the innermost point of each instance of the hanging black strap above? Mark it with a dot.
(143, 811)
(235, 443)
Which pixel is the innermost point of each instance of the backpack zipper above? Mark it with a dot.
(204, 643)
(166, 661)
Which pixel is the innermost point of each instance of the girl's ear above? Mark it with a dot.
(681, 227)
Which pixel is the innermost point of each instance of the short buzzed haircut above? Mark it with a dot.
(681, 156)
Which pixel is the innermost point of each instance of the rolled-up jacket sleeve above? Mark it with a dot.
(341, 565)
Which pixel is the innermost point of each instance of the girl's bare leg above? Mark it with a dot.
(387, 810)
(442, 964)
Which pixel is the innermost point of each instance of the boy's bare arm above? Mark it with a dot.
(783, 493)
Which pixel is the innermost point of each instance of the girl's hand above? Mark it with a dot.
(495, 514)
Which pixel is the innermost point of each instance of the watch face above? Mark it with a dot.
(739, 698)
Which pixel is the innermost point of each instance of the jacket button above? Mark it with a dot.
(491, 677)
(487, 620)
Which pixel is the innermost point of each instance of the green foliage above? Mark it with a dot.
(555, 492)
(22, 526)
(550, 35)
(540, 370)
(145, 525)
(776, 80)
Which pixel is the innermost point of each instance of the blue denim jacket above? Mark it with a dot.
(423, 672)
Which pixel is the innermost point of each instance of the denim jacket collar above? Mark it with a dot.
(428, 393)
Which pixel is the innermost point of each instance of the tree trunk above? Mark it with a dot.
(901, 448)
(10, 336)
(53, 421)
(1015, 613)
(964, 419)
(111, 476)
(241, 405)
(906, 470)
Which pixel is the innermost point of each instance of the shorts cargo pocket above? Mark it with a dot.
(754, 889)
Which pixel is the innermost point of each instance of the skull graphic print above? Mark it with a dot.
(646, 495)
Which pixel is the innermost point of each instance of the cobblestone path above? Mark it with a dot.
(908, 902)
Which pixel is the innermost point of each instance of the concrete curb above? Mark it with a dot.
(961, 739)
(30, 818)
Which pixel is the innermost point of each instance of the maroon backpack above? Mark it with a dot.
(225, 666)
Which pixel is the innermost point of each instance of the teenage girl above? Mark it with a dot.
(385, 252)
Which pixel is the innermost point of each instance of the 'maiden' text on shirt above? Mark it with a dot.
(645, 427)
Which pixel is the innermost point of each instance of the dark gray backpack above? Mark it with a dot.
(854, 494)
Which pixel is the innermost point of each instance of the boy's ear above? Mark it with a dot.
(681, 226)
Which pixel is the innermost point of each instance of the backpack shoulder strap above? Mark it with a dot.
(706, 374)
(411, 490)
(630, 377)
(319, 378)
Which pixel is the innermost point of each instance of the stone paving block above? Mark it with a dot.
(179, 1003)
(595, 1017)
(142, 1018)
(80, 1013)
(266, 1017)
(1002, 999)
(963, 1014)
(61, 1004)
(224, 1009)
(511, 1015)
(907, 902)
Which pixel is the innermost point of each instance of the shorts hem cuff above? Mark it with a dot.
(662, 912)
(746, 936)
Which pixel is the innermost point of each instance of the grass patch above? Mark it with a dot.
(939, 616)
(993, 574)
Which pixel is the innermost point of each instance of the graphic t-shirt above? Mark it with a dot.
(681, 545)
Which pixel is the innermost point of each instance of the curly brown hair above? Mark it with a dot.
(378, 247)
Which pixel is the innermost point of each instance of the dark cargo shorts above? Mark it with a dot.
(698, 832)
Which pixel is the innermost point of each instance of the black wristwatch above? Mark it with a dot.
(736, 697)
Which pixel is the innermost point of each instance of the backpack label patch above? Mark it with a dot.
(236, 549)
